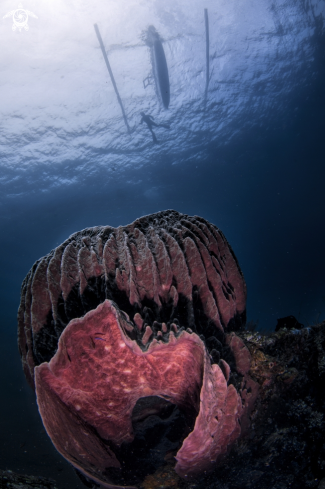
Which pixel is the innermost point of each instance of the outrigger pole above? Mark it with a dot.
(111, 75)
(207, 50)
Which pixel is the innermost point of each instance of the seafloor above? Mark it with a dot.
(12, 480)
(285, 445)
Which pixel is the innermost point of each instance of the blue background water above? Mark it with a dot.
(249, 158)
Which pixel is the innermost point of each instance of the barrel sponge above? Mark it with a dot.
(128, 336)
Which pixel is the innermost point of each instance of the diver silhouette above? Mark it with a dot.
(148, 119)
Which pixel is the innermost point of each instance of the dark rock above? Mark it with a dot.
(289, 322)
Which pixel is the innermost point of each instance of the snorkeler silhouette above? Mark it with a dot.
(148, 119)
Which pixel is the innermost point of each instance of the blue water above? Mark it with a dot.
(248, 157)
